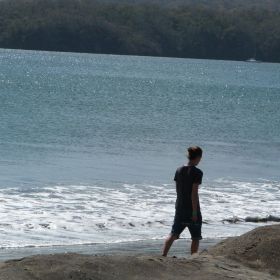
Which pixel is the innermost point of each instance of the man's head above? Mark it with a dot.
(194, 154)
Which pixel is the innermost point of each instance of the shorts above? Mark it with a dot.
(194, 228)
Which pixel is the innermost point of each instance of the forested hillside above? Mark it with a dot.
(222, 30)
(214, 4)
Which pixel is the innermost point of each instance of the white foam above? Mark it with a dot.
(66, 215)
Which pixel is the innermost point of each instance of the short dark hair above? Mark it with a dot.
(194, 152)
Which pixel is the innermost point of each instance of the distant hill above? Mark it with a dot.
(214, 29)
(228, 4)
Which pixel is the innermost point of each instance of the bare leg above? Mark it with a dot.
(194, 247)
(168, 243)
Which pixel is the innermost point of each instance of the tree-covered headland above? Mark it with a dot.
(234, 30)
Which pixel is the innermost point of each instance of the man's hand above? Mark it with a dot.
(194, 217)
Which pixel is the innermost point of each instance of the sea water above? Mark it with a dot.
(89, 145)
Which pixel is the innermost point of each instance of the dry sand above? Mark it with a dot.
(258, 249)
(234, 258)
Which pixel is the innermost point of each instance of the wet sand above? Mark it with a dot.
(181, 248)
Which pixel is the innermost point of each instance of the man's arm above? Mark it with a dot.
(194, 201)
(176, 180)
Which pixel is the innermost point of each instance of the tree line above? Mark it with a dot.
(192, 30)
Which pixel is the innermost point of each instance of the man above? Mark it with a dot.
(187, 214)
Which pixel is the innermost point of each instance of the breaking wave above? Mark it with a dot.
(66, 215)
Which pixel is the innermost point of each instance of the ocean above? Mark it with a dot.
(89, 145)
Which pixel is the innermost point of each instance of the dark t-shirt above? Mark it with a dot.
(185, 177)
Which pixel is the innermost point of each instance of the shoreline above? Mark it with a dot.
(253, 255)
(180, 248)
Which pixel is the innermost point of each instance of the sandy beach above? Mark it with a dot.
(254, 255)
(181, 248)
